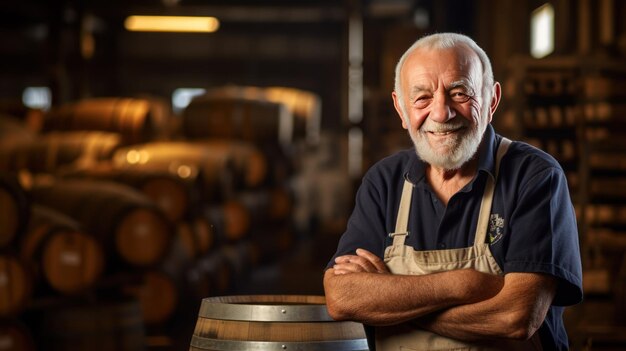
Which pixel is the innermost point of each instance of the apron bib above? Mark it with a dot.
(403, 259)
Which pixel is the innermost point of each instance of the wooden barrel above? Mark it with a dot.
(158, 295)
(58, 151)
(123, 220)
(250, 164)
(272, 322)
(267, 205)
(15, 285)
(238, 118)
(304, 106)
(196, 236)
(14, 209)
(102, 325)
(68, 259)
(15, 336)
(135, 119)
(172, 193)
(230, 221)
(13, 130)
(222, 165)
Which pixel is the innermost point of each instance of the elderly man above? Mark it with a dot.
(467, 242)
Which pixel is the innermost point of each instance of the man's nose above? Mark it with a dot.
(441, 111)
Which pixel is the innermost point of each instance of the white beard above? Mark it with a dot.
(461, 146)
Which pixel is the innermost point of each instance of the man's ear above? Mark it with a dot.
(495, 100)
(397, 103)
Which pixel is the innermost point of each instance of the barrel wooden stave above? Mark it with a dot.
(133, 118)
(59, 151)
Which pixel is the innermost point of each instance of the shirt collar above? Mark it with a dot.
(415, 169)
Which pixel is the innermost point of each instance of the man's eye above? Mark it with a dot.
(422, 101)
(459, 96)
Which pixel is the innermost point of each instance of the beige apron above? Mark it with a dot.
(403, 259)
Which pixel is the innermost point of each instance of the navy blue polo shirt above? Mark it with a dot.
(532, 223)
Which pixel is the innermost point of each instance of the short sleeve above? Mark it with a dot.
(366, 225)
(544, 236)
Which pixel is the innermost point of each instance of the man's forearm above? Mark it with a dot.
(386, 299)
(516, 312)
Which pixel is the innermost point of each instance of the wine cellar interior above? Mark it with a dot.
(141, 172)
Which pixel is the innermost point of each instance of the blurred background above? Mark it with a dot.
(142, 170)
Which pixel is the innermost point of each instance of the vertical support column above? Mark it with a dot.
(584, 27)
(355, 88)
(606, 22)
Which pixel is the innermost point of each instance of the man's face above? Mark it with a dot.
(442, 109)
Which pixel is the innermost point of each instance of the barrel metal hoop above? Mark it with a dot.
(264, 313)
(237, 345)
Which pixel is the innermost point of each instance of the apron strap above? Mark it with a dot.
(403, 214)
(402, 219)
(485, 205)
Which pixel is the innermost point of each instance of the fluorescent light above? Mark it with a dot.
(542, 31)
(171, 24)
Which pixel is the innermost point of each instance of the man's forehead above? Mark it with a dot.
(455, 64)
(461, 53)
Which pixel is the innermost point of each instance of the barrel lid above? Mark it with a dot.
(266, 308)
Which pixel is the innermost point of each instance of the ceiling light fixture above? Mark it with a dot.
(171, 24)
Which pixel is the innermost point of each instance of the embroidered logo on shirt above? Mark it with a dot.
(496, 228)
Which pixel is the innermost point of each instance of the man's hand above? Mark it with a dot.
(364, 262)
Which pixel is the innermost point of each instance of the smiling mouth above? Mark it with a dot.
(444, 132)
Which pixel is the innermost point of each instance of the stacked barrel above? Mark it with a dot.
(105, 204)
(573, 108)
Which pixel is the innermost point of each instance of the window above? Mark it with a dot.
(181, 97)
(37, 98)
(542, 31)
